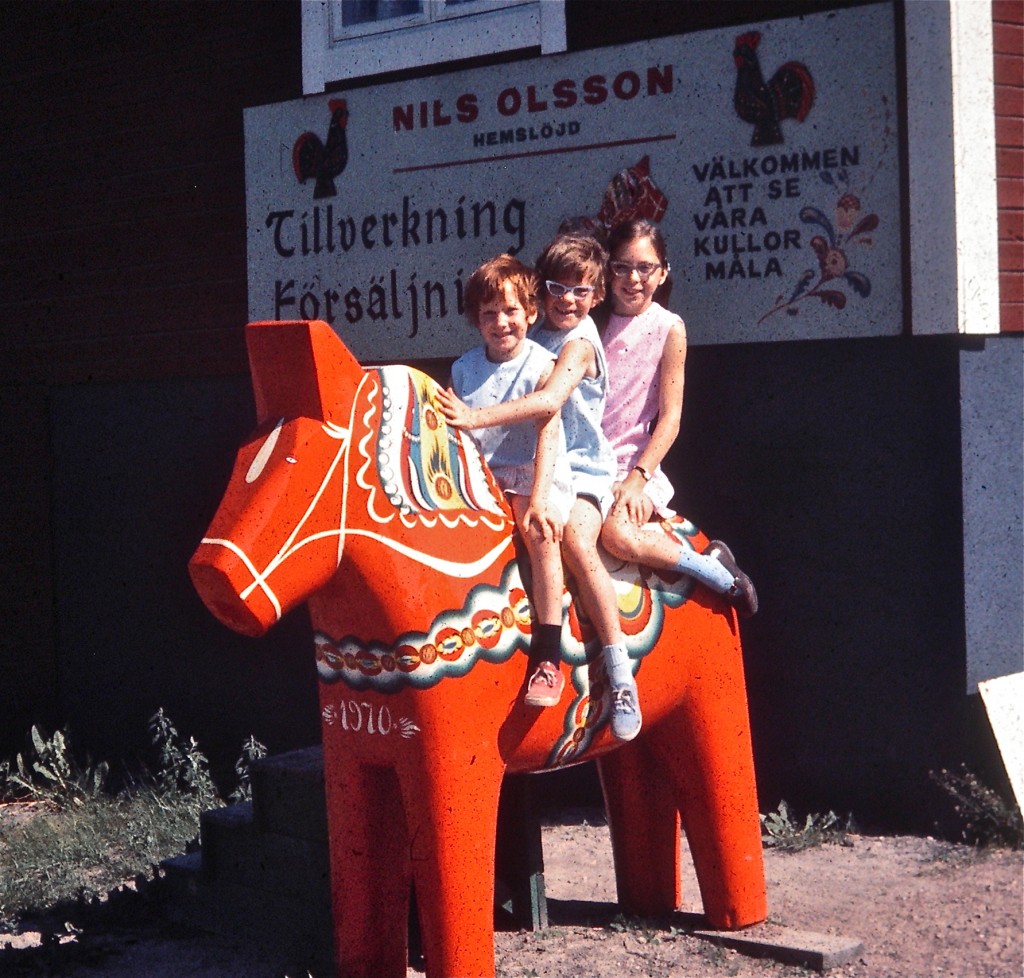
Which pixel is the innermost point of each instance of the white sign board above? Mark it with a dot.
(768, 154)
(1003, 698)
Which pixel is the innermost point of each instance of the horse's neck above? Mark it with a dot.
(422, 478)
(420, 514)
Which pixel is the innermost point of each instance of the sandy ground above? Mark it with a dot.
(920, 907)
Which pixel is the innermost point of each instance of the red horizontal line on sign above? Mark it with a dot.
(540, 152)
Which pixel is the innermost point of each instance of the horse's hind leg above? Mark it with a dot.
(643, 820)
(705, 752)
(370, 871)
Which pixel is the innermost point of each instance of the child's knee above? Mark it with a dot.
(617, 541)
(578, 547)
(534, 541)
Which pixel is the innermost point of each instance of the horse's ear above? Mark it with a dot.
(301, 369)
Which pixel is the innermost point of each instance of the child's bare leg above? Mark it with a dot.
(546, 682)
(545, 567)
(645, 543)
(596, 592)
(639, 543)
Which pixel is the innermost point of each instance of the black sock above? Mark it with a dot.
(546, 645)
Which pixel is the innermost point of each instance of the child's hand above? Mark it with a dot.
(632, 500)
(455, 411)
(539, 520)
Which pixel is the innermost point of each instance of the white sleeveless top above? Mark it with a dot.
(591, 456)
(509, 450)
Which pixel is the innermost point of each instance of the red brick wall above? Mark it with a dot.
(1008, 30)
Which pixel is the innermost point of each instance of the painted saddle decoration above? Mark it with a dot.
(354, 496)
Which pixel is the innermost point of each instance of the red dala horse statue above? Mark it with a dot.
(354, 496)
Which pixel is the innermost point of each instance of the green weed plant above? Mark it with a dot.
(784, 831)
(82, 840)
(986, 819)
(48, 771)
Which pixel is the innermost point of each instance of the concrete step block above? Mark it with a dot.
(806, 949)
(296, 932)
(236, 851)
(226, 833)
(288, 794)
(182, 877)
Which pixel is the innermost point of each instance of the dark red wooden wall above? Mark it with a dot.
(123, 182)
(123, 229)
(123, 298)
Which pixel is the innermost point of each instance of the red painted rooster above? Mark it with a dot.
(788, 95)
(323, 162)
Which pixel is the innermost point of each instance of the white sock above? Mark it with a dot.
(706, 569)
(618, 665)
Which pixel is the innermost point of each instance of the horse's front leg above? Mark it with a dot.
(370, 873)
(451, 813)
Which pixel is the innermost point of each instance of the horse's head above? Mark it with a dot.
(276, 537)
(344, 460)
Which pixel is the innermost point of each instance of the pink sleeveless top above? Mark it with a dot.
(633, 346)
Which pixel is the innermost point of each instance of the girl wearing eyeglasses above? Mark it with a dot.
(645, 346)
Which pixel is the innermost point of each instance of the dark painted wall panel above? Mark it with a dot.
(140, 468)
(832, 469)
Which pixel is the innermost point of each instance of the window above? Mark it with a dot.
(371, 16)
(350, 38)
(351, 18)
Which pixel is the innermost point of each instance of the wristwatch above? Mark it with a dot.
(644, 474)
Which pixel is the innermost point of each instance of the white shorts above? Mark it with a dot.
(518, 481)
(596, 489)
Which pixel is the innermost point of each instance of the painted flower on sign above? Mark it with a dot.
(838, 238)
(833, 246)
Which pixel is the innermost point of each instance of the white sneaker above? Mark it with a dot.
(626, 718)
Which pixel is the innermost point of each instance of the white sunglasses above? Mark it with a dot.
(558, 290)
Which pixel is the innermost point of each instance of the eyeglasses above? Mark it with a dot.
(557, 290)
(622, 269)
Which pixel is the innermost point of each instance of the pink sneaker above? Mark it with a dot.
(545, 686)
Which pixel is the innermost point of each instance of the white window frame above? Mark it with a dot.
(330, 54)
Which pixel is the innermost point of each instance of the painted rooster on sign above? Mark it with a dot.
(789, 94)
(311, 157)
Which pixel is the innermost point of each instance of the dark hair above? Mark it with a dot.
(629, 231)
(589, 227)
(574, 256)
(626, 233)
(489, 280)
